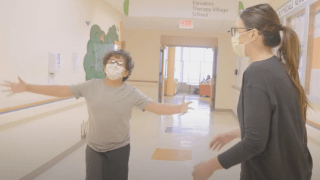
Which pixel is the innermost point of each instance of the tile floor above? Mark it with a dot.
(167, 147)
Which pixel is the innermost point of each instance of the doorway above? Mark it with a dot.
(188, 70)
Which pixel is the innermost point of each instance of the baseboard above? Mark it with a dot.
(222, 110)
(227, 110)
(45, 167)
(234, 114)
(169, 95)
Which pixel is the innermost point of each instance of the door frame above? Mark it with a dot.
(161, 90)
(189, 41)
(214, 79)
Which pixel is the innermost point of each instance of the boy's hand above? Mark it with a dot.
(15, 87)
(185, 106)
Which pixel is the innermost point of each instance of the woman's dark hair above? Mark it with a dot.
(264, 18)
(129, 64)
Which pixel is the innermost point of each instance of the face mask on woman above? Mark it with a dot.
(239, 49)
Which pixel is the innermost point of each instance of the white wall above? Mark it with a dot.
(225, 73)
(31, 29)
(144, 47)
(276, 4)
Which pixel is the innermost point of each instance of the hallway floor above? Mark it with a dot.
(168, 147)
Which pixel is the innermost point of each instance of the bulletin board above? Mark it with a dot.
(304, 18)
(313, 64)
(296, 22)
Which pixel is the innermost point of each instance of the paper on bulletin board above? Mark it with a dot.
(317, 24)
(293, 22)
(301, 59)
(300, 27)
(315, 83)
(297, 24)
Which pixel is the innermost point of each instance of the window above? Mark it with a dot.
(186, 54)
(177, 64)
(177, 71)
(193, 65)
(197, 54)
(208, 55)
(206, 69)
(194, 72)
(178, 54)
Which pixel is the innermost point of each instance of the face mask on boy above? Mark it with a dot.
(114, 71)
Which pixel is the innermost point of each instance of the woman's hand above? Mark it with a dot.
(204, 170)
(222, 139)
(15, 87)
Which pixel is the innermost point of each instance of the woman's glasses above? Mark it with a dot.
(234, 30)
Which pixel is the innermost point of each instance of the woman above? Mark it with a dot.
(272, 105)
(208, 78)
(110, 102)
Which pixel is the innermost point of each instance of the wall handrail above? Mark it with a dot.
(29, 105)
(236, 88)
(144, 81)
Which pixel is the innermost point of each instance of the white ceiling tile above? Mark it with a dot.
(116, 4)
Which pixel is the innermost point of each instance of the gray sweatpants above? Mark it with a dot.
(111, 165)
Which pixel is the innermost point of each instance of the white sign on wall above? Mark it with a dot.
(75, 62)
(208, 9)
(290, 6)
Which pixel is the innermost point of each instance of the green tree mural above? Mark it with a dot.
(126, 7)
(241, 7)
(111, 35)
(98, 45)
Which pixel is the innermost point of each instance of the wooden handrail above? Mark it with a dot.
(236, 88)
(24, 106)
(143, 81)
(313, 124)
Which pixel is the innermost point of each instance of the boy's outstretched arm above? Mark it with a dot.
(168, 109)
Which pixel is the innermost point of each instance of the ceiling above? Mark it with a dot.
(116, 4)
(172, 24)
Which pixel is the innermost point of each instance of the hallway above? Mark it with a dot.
(164, 147)
(56, 47)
